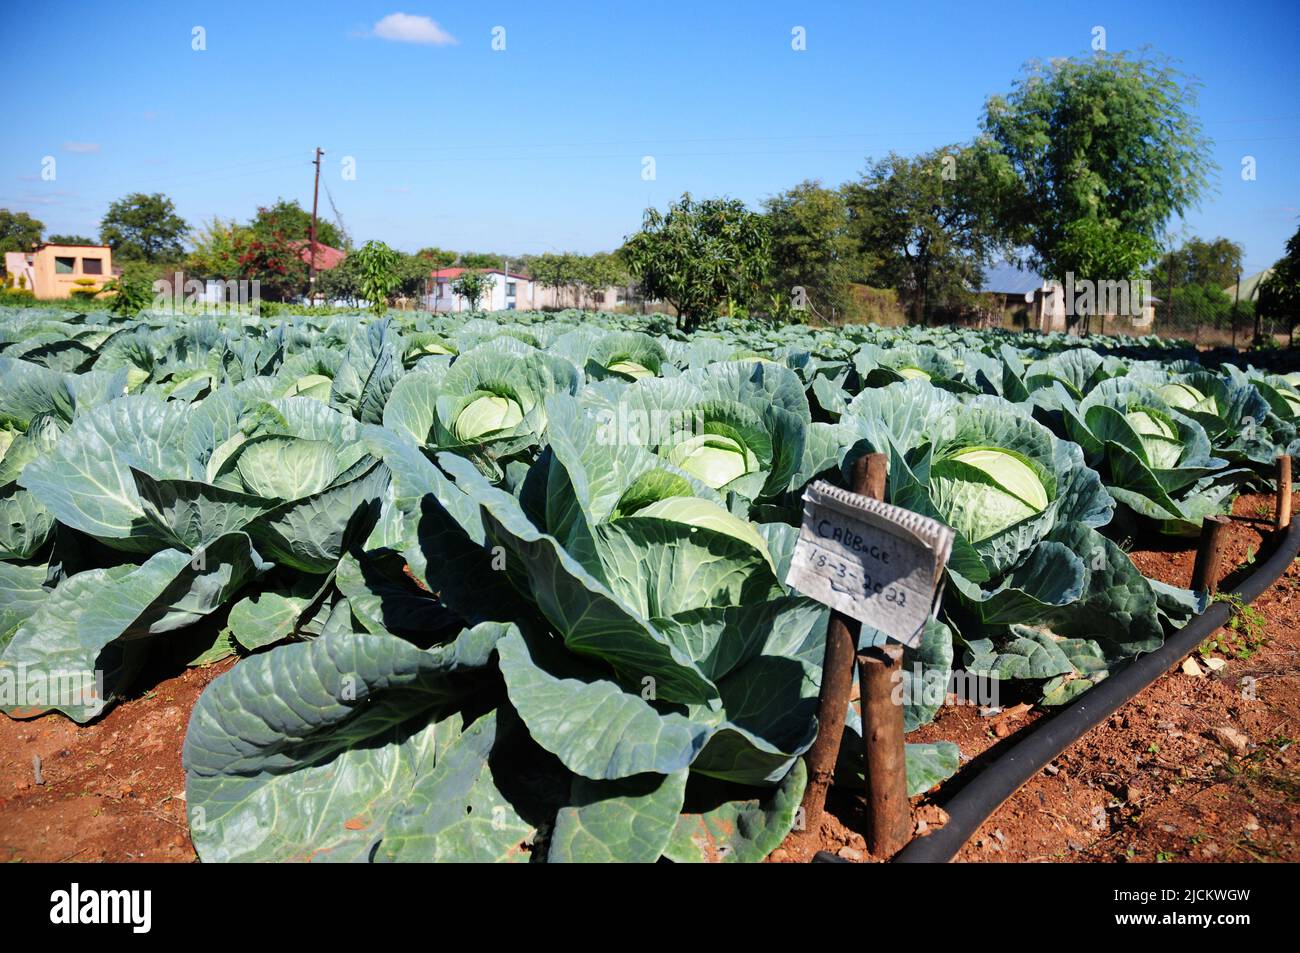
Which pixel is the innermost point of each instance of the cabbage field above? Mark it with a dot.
(511, 587)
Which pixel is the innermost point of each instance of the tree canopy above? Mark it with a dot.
(1214, 263)
(1279, 293)
(926, 225)
(19, 231)
(813, 250)
(699, 255)
(292, 220)
(145, 228)
(1102, 139)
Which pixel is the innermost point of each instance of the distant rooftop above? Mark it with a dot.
(1249, 285)
(326, 257)
(449, 273)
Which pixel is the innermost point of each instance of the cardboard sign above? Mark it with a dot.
(877, 563)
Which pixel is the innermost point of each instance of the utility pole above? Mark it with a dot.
(315, 195)
(1235, 302)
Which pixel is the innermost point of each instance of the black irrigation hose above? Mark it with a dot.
(988, 790)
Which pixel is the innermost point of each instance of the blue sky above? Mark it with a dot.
(539, 146)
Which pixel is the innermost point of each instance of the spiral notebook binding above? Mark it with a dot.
(928, 532)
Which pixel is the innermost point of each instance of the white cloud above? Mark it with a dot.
(409, 28)
(86, 147)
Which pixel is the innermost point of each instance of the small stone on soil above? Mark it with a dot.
(1232, 740)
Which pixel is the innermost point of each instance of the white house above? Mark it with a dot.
(509, 291)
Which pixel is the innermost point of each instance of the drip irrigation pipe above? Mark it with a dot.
(988, 790)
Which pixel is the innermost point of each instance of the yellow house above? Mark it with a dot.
(55, 271)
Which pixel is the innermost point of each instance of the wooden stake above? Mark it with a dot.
(1283, 491)
(889, 815)
(1205, 572)
(837, 671)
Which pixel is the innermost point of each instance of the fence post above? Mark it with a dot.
(837, 671)
(1205, 572)
(889, 815)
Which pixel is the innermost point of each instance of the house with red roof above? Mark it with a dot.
(326, 257)
(510, 291)
(515, 291)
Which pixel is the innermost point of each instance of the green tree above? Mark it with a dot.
(474, 259)
(1279, 293)
(561, 272)
(19, 231)
(1198, 262)
(132, 291)
(217, 249)
(377, 269)
(275, 262)
(144, 228)
(70, 240)
(1101, 139)
(597, 272)
(437, 257)
(472, 285)
(813, 250)
(1191, 280)
(926, 225)
(551, 270)
(698, 256)
(290, 219)
(342, 282)
(413, 273)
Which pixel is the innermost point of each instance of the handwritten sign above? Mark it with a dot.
(877, 563)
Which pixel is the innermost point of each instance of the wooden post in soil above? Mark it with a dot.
(889, 815)
(837, 671)
(1283, 491)
(1205, 572)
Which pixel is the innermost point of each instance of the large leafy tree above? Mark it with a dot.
(1279, 293)
(699, 255)
(342, 282)
(1191, 280)
(144, 228)
(19, 231)
(557, 270)
(217, 249)
(1214, 263)
(812, 249)
(926, 225)
(274, 261)
(1106, 149)
(70, 240)
(474, 259)
(437, 257)
(600, 271)
(292, 220)
(413, 273)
